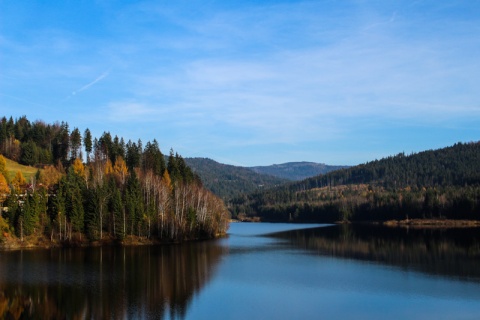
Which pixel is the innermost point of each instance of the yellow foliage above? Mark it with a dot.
(108, 167)
(50, 176)
(79, 168)
(18, 181)
(3, 166)
(166, 179)
(120, 167)
(4, 189)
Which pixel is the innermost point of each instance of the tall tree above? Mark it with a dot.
(87, 142)
(75, 144)
(29, 155)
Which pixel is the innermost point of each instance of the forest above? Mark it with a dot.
(99, 189)
(434, 184)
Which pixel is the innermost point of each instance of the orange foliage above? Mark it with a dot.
(4, 189)
(19, 181)
(79, 168)
(3, 166)
(166, 179)
(108, 167)
(120, 169)
(50, 176)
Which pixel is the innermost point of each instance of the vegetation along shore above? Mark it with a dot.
(124, 192)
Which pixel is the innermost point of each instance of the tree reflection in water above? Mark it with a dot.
(452, 252)
(108, 282)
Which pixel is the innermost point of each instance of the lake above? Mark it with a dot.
(260, 271)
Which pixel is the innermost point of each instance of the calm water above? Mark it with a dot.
(261, 271)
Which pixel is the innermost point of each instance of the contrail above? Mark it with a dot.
(85, 87)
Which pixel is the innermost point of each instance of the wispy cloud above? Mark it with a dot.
(293, 74)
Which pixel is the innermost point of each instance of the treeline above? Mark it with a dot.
(442, 183)
(123, 189)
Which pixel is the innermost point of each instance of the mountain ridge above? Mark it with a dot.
(229, 181)
(297, 170)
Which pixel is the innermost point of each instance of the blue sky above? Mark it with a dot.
(249, 82)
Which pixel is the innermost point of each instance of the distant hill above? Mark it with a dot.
(433, 184)
(296, 171)
(228, 181)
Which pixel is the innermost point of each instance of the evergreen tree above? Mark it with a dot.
(153, 158)
(75, 144)
(172, 168)
(74, 192)
(134, 204)
(116, 210)
(133, 155)
(29, 153)
(87, 142)
(29, 214)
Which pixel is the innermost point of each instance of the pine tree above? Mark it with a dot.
(87, 143)
(75, 143)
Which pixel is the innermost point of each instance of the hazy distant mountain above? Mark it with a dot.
(229, 181)
(296, 171)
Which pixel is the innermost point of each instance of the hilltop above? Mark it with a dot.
(296, 171)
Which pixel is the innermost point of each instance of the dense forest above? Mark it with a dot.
(120, 189)
(435, 184)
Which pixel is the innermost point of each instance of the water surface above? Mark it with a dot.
(261, 271)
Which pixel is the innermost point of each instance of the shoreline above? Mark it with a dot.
(432, 223)
(41, 242)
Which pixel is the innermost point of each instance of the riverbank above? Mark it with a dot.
(440, 223)
(41, 242)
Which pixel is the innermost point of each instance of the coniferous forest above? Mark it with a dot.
(90, 189)
(437, 184)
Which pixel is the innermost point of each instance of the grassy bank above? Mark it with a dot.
(13, 167)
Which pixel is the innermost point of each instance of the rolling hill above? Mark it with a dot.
(228, 181)
(296, 171)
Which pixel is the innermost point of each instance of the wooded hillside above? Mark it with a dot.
(120, 190)
(442, 183)
(229, 181)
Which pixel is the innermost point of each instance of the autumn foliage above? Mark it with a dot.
(122, 190)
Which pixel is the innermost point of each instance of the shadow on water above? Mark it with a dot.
(102, 283)
(452, 252)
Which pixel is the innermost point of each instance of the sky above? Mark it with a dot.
(249, 82)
